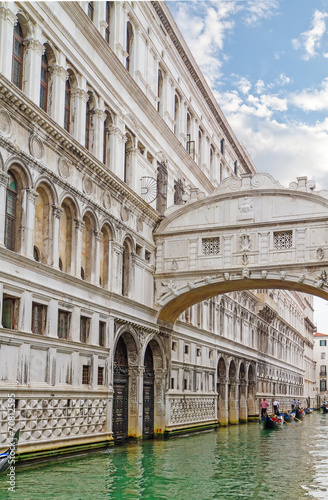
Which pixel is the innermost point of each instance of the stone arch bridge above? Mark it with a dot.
(250, 233)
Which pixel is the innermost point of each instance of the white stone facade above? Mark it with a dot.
(116, 116)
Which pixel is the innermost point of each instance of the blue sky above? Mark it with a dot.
(267, 64)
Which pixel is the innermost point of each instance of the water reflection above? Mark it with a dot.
(230, 463)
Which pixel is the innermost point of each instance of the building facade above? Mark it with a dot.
(320, 354)
(105, 122)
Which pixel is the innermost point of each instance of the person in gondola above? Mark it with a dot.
(264, 405)
(293, 404)
(276, 407)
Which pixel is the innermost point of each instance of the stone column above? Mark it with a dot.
(159, 407)
(4, 179)
(119, 35)
(96, 268)
(117, 267)
(7, 22)
(242, 401)
(57, 84)
(98, 132)
(78, 246)
(79, 98)
(25, 312)
(57, 213)
(233, 402)
(52, 319)
(135, 378)
(116, 159)
(223, 413)
(29, 199)
(251, 403)
(32, 69)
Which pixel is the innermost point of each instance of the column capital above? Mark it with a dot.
(36, 45)
(80, 93)
(98, 235)
(4, 178)
(57, 211)
(57, 70)
(31, 195)
(79, 224)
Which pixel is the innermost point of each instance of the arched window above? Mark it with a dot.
(44, 82)
(18, 54)
(11, 208)
(91, 9)
(129, 46)
(67, 112)
(159, 91)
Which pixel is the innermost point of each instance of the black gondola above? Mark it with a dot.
(5, 457)
(299, 413)
(288, 417)
(269, 423)
(324, 409)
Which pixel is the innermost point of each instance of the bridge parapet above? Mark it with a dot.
(249, 233)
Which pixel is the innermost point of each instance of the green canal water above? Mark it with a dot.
(228, 463)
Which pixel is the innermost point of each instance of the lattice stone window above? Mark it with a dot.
(211, 246)
(282, 240)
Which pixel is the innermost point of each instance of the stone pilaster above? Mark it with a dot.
(4, 179)
(57, 213)
(29, 200)
(7, 22)
(96, 270)
(57, 83)
(233, 402)
(79, 98)
(78, 246)
(223, 411)
(32, 69)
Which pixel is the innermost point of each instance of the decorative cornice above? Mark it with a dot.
(16, 100)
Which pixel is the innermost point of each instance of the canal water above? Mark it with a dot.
(228, 463)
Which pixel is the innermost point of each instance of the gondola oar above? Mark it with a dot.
(298, 420)
(290, 425)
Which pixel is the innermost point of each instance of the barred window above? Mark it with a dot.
(211, 246)
(102, 333)
(282, 239)
(100, 375)
(85, 374)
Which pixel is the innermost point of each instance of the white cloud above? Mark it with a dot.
(259, 86)
(256, 10)
(244, 85)
(312, 99)
(311, 40)
(283, 79)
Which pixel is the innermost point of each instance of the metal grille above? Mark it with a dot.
(85, 374)
(100, 375)
(211, 246)
(282, 239)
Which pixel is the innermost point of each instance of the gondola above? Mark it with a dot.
(288, 417)
(324, 409)
(299, 413)
(269, 423)
(5, 457)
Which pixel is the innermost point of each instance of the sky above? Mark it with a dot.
(266, 62)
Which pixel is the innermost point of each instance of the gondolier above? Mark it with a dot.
(264, 405)
(276, 407)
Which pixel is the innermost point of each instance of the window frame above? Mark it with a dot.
(16, 58)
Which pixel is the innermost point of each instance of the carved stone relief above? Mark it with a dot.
(36, 147)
